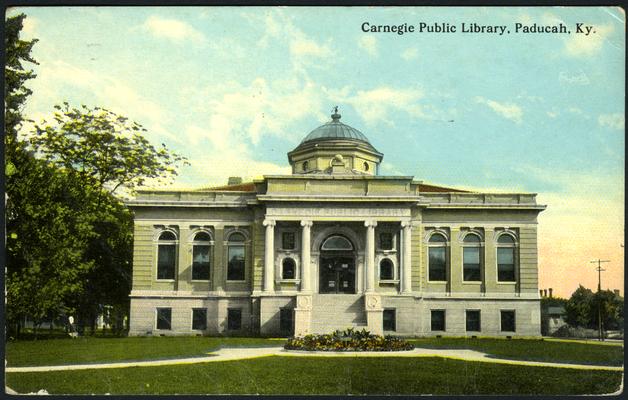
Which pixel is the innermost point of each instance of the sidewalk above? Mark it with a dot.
(231, 354)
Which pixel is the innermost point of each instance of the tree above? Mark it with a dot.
(105, 148)
(579, 308)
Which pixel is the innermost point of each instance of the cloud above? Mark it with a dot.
(613, 121)
(411, 53)
(368, 44)
(509, 111)
(29, 26)
(580, 79)
(172, 29)
(581, 45)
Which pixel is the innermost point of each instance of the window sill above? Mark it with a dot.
(236, 281)
(438, 282)
(288, 281)
(471, 282)
(506, 283)
(200, 280)
(389, 281)
(164, 280)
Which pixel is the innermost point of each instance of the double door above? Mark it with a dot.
(337, 274)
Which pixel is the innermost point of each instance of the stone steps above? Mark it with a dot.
(337, 311)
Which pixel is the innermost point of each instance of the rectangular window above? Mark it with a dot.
(234, 319)
(390, 320)
(288, 241)
(473, 321)
(286, 321)
(235, 268)
(164, 316)
(386, 241)
(166, 255)
(199, 319)
(471, 260)
(506, 264)
(200, 262)
(437, 264)
(508, 320)
(438, 320)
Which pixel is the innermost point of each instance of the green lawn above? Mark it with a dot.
(94, 349)
(313, 375)
(533, 350)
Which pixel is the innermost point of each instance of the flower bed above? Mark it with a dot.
(348, 340)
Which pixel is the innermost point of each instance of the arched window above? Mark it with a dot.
(506, 247)
(337, 243)
(288, 269)
(437, 258)
(201, 256)
(166, 255)
(305, 165)
(366, 166)
(471, 258)
(386, 270)
(236, 257)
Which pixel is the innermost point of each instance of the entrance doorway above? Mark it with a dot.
(337, 266)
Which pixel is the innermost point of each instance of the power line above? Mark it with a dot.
(599, 296)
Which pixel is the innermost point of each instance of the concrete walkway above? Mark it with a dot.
(230, 354)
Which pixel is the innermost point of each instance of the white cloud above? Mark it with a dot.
(29, 26)
(581, 45)
(172, 29)
(380, 104)
(613, 121)
(579, 79)
(304, 47)
(411, 53)
(368, 44)
(509, 111)
(552, 114)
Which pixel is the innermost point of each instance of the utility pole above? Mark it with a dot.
(599, 296)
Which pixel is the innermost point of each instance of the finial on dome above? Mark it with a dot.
(335, 116)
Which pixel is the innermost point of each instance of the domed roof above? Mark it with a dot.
(335, 130)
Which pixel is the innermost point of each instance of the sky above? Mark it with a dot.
(235, 89)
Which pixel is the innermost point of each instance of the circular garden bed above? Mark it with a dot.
(348, 340)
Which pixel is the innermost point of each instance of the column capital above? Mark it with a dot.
(370, 223)
(406, 224)
(269, 222)
(306, 223)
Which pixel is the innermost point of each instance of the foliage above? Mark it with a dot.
(582, 309)
(325, 376)
(105, 148)
(348, 340)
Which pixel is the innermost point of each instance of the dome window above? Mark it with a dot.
(305, 165)
(366, 166)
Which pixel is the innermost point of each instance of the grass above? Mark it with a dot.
(94, 349)
(334, 376)
(532, 350)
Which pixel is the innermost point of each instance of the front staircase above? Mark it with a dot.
(337, 311)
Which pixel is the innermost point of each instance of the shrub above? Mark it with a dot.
(348, 340)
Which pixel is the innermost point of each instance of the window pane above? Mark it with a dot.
(505, 264)
(288, 241)
(166, 261)
(288, 269)
(167, 235)
(438, 320)
(390, 320)
(473, 321)
(236, 237)
(235, 268)
(472, 238)
(471, 260)
(386, 271)
(200, 263)
(202, 237)
(437, 264)
(386, 241)
(508, 321)
(163, 318)
(437, 238)
(337, 243)
(234, 319)
(199, 319)
(505, 239)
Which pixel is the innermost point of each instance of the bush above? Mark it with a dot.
(348, 340)
(567, 331)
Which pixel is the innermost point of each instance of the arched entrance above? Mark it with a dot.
(337, 266)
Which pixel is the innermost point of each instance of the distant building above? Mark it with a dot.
(331, 246)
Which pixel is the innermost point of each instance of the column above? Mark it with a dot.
(306, 275)
(369, 257)
(406, 260)
(269, 255)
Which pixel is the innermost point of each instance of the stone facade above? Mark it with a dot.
(334, 245)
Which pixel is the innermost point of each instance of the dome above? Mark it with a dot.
(335, 130)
